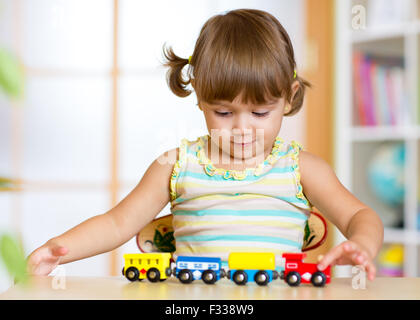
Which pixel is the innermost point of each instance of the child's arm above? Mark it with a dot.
(110, 230)
(359, 224)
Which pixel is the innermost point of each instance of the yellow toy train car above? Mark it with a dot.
(153, 266)
(252, 266)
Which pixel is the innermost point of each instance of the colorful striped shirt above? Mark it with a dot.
(217, 211)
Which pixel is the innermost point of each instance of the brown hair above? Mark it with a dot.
(244, 51)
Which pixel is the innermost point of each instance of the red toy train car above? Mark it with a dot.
(296, 271)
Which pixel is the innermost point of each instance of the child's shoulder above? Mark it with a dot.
(311, 161)
(169, 157)
(313, 167)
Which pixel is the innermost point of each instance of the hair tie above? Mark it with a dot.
(294, 74)
(189, 60)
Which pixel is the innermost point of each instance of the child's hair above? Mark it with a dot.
(244, 51)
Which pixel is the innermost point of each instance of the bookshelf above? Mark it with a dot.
(357, 142)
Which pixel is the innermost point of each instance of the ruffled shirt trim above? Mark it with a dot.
(297, 147)
(177, 167)
(211, 170)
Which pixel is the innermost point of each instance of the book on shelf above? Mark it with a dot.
(379, 95)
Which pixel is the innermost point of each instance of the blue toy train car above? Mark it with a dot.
(195, 268)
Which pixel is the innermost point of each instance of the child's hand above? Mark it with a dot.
(349, 252)
(44, 259)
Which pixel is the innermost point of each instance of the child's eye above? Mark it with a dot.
(222, 114)
(257, 114)
(262, 114)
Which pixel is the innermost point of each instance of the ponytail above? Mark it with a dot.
(174, 77)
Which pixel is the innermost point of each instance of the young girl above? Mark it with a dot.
(240, 188)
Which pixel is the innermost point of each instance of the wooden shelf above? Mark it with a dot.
(394, 235)
(386, 32)
(380, 133)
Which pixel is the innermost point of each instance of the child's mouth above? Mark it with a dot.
(243, 144)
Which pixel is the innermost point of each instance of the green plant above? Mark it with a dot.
(13, 258)
(11, 252)
(11, 75)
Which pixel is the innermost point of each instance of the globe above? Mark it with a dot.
(386, 173)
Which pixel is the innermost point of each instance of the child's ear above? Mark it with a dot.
(295, 88)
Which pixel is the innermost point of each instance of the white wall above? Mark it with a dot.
(59, 140)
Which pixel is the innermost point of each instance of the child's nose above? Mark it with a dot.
(242, 134)
(242, 125)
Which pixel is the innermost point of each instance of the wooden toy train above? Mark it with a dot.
(243, 267)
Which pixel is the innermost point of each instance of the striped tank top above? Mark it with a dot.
(217, 211)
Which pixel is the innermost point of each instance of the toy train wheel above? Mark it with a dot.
(185, 276)
(209, 277)
(153, 275)
(261, 278)
(240, 277)
(318, 279)
(132, 274)
(293, 279)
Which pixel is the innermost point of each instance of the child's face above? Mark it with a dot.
(243, 131)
